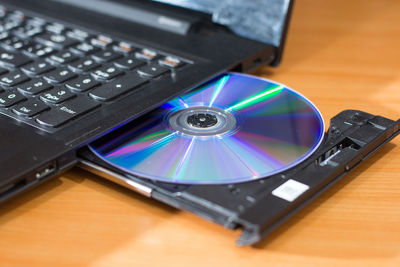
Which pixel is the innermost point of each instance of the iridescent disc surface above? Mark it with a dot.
(235, 128)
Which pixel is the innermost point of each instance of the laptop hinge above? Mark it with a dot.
(146, 17)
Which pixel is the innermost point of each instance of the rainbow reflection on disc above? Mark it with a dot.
(235, 128)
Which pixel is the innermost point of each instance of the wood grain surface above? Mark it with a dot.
(341, 55)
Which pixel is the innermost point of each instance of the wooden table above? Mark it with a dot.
(340, 54)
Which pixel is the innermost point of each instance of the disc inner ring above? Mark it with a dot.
(202, 121)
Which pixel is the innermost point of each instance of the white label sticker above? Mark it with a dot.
(290, 190)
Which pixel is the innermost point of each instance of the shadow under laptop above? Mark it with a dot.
(331, 242)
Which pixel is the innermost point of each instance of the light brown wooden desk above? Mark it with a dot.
(340, 54)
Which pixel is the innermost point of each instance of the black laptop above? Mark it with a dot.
(72, 71)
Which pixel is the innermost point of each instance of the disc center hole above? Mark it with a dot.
(202, 120)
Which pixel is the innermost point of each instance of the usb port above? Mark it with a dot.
(46, 170)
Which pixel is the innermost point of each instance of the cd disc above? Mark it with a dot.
(235, 128)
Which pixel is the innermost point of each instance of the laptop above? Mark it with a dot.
(72, 71)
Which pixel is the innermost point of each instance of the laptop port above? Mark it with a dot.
(4, 191)
(46, 170)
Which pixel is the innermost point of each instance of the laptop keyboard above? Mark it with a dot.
(51, 74)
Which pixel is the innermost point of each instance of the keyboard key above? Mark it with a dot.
(34, 86)
(12, 60)
(116, 88)
(62, 57)
(16, 15)
(35, 21)
(146, 54)
(55, 40)
(38, 50)
(83, 83)
(59, 75)
(152, 70)
(30, 108)
(106, 55)
(4, 35)
(101, 41)
(27, 31)
(13, 78)
(129, 62)
(107, 72)
(84, 65)
(56, 28)
(78, 34)
(9, 24)
(170, 62)
(9, 98)
(124, 47)
(3, 12)
(14, 43)
(57, 95)
(84, 49)
(38, 67)
(66, 112)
